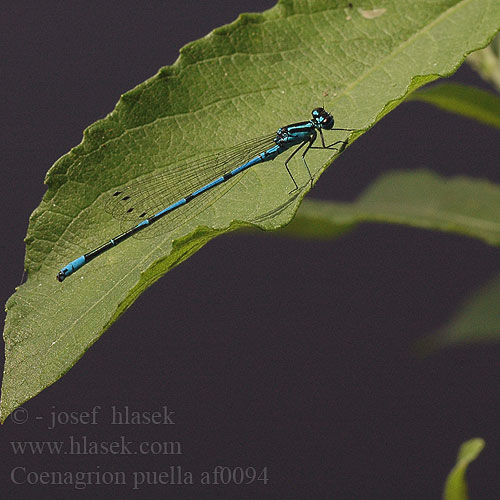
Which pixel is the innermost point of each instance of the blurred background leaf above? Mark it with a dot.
(455, 486)
(463, 100)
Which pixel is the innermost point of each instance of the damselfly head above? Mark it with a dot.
(322, 119)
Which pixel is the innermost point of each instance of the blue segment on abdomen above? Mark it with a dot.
(73, 266)
(208, 186)
(143, 223)
(248, 164)
(170, 208)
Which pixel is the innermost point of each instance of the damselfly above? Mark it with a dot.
(167, 200)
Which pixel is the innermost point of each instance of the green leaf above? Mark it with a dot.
(416, 198)
(487, 62)
(455, 487)
(241, 81)
(463, 100)
(476, 320)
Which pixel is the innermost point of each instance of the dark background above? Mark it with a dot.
(291, 355)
